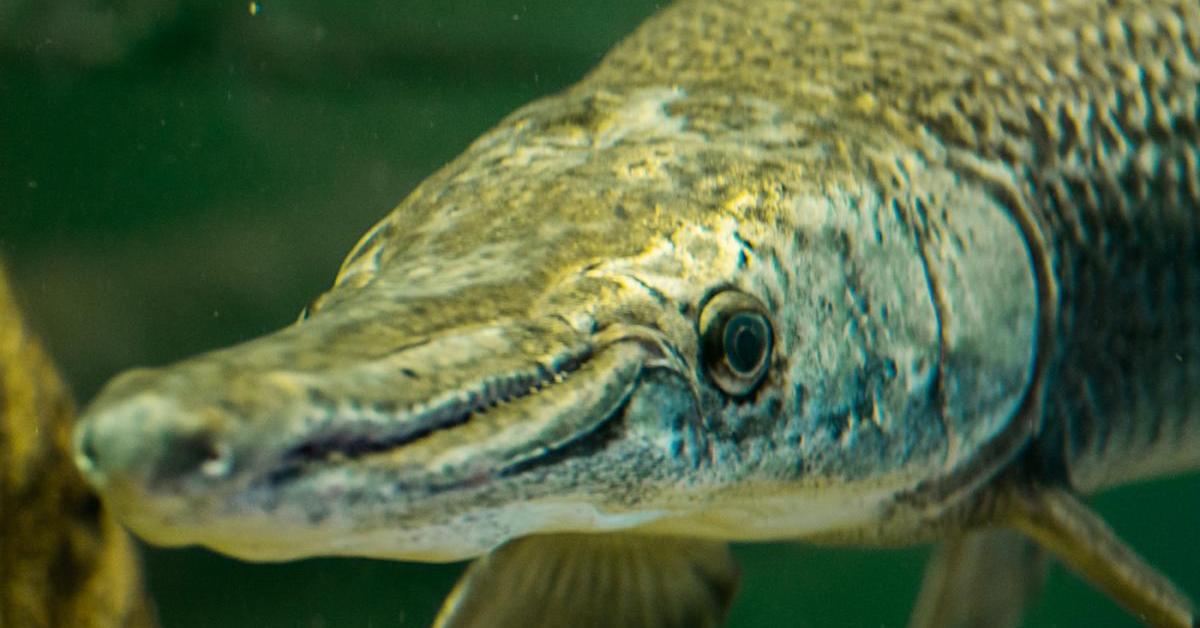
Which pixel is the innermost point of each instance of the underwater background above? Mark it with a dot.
(179, 175)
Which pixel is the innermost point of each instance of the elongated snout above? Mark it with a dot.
(230, 448)
(143, 434)
(127, 442)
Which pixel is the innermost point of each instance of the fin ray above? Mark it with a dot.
(599, 580)
(1084, 542)
(981, 579)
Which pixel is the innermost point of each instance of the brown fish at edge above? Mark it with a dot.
(64, 561)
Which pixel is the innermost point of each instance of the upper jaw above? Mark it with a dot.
(491, 421)
(320, 448)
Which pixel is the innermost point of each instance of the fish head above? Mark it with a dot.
(613, 312)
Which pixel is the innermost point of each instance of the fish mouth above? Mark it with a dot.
(497, 427)
(316, 470)
(463, 472)
(341, 442)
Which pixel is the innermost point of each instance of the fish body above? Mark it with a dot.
(863, 272)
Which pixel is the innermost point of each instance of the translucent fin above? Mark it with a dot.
(982, 579)
(1082, 541)
(587, 581)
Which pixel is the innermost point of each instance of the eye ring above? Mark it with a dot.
(736, 342)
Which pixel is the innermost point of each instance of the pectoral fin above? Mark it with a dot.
(595, 581)
(981, 579)
(1080, 539)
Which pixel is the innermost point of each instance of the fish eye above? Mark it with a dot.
(736, 341)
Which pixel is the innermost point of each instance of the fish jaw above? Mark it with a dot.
(262, 463)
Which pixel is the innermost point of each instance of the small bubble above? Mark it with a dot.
(253, 8)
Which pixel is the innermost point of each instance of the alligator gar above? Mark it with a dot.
(870, 272)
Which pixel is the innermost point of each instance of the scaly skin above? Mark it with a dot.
(945, 208)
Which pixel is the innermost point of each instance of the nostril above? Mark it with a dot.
(191, 453)
(219, 464)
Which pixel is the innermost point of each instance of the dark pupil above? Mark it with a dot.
(745, 342)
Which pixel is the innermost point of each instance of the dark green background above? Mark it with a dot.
(178, 175)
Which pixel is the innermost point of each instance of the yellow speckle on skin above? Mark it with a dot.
(741, 202)
(865, 102)
(254, 8)
(857, 59)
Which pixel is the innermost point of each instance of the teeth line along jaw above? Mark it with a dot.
(366, 438)
(594, 437)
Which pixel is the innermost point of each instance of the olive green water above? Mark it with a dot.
(177, 175)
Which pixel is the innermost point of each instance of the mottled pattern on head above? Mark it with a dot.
(908, 190)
